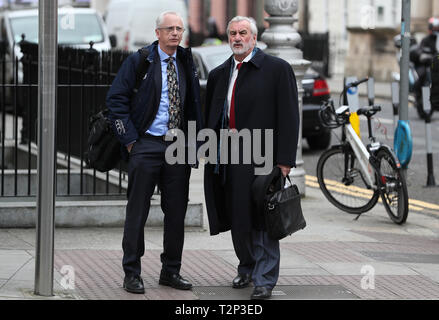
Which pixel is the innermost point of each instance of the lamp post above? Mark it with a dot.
(281, 39)
(45, 224)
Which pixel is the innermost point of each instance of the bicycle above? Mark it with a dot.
(353, 176)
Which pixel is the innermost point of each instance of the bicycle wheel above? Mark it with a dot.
(344, 188)
(393, 187)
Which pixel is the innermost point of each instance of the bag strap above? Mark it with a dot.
(142, 68)
(283, 181)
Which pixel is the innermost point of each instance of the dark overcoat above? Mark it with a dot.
(265, 98)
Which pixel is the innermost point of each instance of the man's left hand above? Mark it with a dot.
(285, 169)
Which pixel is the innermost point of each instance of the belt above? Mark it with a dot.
(162, 138)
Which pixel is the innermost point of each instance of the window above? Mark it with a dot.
(380, 14)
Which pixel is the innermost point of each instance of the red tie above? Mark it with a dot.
(232, 124)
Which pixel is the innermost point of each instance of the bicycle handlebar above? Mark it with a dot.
(351, 85)
(357, 83)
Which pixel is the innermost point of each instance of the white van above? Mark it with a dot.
(76, 28)
(132, 23)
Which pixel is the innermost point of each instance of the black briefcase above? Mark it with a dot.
(283, 212)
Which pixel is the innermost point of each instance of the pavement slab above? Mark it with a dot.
(11, 261)
(403, 257)
(297, 292)
(378, 268)
(99, 275)
(428, 270)
(9, 240)
(334, 257)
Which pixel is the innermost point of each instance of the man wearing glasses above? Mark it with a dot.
(168, 97)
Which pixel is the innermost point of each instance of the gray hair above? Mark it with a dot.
(162, 15)
(253, 27)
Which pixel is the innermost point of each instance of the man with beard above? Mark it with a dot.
(251, 90)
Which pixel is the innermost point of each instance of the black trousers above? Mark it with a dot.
(146, 169)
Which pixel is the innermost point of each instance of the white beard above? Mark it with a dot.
(245, 47)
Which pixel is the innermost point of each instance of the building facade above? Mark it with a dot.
(203, 13)
(362, 31)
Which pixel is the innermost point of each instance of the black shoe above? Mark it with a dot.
(241, 281)
(133, 284)
(174, 280)
(260, 293)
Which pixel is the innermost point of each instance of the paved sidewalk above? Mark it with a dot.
(335, 257)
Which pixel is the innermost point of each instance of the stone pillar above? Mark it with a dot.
(244, 8)
(435, 8)
(196, 16)
(281, 38)
(218, 10)
(258, 13)
(421, 11)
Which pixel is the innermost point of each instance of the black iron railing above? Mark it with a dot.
(84, 77)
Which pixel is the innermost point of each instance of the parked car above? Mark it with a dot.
(77, 27)
(316, 90)
(131, 24)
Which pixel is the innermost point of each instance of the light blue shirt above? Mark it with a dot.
(159, 126)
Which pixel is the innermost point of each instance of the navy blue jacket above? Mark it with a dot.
(132, 113)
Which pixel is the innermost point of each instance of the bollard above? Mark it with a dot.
(428, 111)
(395, 103)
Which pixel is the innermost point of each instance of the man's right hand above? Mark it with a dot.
(129, 147)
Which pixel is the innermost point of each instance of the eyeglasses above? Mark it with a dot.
(171, 29)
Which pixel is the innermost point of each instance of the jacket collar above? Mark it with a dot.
(153, 52)
(256, 60)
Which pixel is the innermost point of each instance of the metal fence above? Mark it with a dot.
(84, 77)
